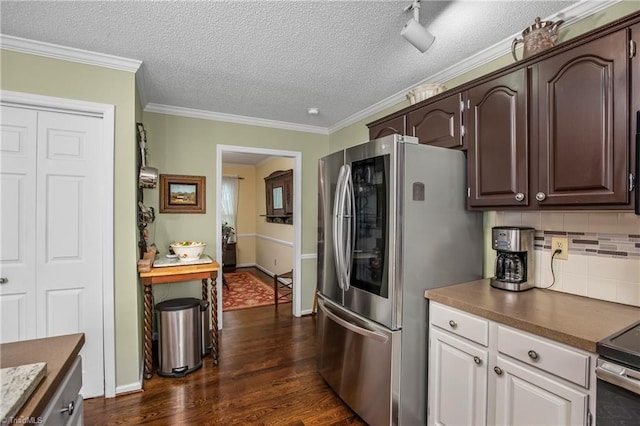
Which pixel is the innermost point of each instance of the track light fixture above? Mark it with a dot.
(415, 33)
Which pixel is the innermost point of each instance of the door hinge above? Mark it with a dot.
(632, 182)
(461, 106)
(468, 192)
(462, 132)
(589, 418)
(632, 49)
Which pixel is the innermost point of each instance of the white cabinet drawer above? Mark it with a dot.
(460, 323)
(544, 354)
(65, 398)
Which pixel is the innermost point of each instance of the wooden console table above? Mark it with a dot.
(172, 274)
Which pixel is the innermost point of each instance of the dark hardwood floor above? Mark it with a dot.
(266, 376)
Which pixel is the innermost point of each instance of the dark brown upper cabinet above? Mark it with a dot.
(549, 131)
(437, 123)
(390, 127)
(580, 124)
(279, 196)
(497, 141)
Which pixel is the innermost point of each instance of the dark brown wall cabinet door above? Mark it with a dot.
(582, 136)
(496, 139)
(389, 127)
(437, 123)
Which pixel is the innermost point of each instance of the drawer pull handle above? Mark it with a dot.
(453, 324)
(498, 370)
(69, 408)
(519, 196)
(533, 355)
(477, 360)
(540, 196)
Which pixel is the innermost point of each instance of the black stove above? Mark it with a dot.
(623, 346)
(618, 374)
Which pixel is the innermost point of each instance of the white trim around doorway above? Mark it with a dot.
(297, 217)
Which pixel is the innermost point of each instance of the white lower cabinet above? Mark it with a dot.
(457, 380)
(526, 397)
(503, 376)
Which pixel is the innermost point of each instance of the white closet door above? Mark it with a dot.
(68, 235)
(17, 224)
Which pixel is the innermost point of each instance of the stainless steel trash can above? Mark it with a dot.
(206, 335)
(180, 336)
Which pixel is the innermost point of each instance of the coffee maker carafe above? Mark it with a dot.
(514, 270)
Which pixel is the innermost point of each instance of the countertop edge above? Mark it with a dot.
(508, 308)
(67, 347)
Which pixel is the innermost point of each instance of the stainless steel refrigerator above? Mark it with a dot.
(391, 223)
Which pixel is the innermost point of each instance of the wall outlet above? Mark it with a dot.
(560, 243)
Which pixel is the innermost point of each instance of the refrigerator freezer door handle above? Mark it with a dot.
(371, 334)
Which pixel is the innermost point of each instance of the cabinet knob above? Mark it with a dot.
(453, 324)
(477, 360)
(533, 355)
(4, 280)
(540, 196)
(519, 196)
(69, 408)
(498, 370)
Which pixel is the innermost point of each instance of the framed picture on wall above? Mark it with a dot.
(182, 194)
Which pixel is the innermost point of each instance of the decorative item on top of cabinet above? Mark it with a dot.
(497, 141)
(423, 92)
(537, 37)
(395, 125)
(580, 124)
(438, 123)
(279, 197)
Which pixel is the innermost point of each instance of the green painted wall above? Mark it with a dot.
(51, 77)
(187, 146)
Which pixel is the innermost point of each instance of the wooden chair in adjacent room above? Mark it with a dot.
(282, 288)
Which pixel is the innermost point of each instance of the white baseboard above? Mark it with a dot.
(135, 386)
(255, 265)
(265, 270)
(131, 387)
(245, 265)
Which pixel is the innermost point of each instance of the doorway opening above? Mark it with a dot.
(252, 157)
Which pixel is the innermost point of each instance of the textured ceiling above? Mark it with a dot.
(274, 59)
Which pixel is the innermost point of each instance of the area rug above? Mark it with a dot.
(245, 291)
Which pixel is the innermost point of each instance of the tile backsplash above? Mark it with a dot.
(604, 252)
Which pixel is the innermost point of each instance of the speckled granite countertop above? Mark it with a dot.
(574, 320)
(58, 352)
(16, 386)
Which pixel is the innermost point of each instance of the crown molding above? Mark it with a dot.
(570, 15)
(40, 48)
(231, 118)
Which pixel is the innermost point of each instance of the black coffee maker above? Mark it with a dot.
(515, 267)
